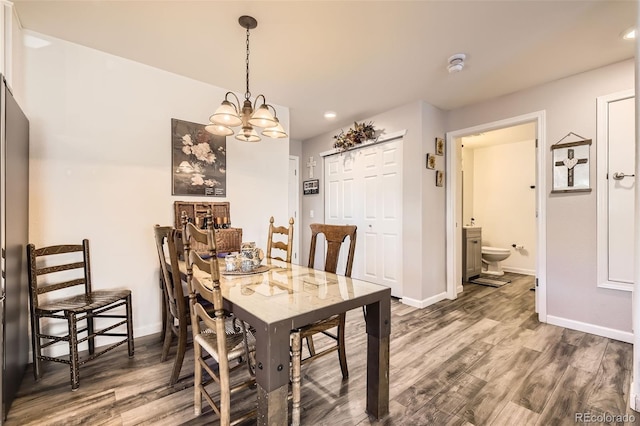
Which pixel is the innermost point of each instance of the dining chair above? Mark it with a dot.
(175, 301)
(224, 340)
(335, 236)
(60, 291)
(273, 243)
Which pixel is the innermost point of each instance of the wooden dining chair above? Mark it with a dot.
(60, 291)
(335, 236)
(177, 318)
(274, 243)
(224, 340)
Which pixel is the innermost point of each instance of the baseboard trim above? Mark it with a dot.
(611, 333)
(425, 302)
(522, 271)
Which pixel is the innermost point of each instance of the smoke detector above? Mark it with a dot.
(456, 63)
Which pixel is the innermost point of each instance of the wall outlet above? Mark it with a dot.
(311, 214)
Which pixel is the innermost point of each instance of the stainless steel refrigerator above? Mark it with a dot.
(14, 235)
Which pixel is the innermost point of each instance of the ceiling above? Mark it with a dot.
(517, 133)
(357, 58)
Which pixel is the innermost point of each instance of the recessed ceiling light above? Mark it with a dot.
(330, 115)
(629, 34)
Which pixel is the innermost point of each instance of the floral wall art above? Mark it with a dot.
(199, 160)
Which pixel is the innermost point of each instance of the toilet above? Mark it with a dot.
(491, 258)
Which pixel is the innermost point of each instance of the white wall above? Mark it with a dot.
(573, 297)
(101, 163)
(17, 60)
(7, 22)
(423, 218)
(295, 147)
(504, 203)
(11, 51)
(432, 211)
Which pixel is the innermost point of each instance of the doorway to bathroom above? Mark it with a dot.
(494, 176)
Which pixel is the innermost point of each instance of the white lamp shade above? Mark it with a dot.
(218, 130)
(262, 117)
(276, 132)
(248, 134)
(226, 115)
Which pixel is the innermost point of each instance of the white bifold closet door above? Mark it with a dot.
(363, 187)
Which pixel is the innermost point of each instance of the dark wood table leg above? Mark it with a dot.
(272, 375)
(378, 316)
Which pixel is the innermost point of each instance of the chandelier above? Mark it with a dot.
(257, 114)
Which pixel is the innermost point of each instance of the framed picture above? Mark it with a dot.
(439, 178)
(311, 187)
(439, 146)
(198, 160)
(431, 161)
(571, 166)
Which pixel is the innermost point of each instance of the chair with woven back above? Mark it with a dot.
(61, 292)
(273, 243)
(335, 236)
(223, 339)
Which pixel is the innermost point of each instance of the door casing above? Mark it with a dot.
(454, 226)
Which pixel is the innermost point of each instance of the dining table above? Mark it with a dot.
(279, 297)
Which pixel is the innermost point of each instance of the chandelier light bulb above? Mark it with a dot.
(218, 129)
(262, 117)
(226, 115)
(276, 131)
(248, 134)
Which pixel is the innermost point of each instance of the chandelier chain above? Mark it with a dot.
(247, 94)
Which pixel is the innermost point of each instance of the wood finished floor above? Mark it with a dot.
(482, 359)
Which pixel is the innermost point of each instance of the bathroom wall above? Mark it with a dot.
(503, 200)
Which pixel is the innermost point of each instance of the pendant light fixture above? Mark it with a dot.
(251, 115)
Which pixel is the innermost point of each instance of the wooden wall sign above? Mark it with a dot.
(571, 165)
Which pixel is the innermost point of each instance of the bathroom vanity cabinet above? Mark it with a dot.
(472, 256)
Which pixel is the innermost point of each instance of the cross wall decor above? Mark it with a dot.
(571, 165)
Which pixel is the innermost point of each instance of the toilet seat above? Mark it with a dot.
(495, 250)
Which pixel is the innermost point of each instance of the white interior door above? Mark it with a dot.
(364, 187)
(617, 184)
(294, 203)
(621, 189)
